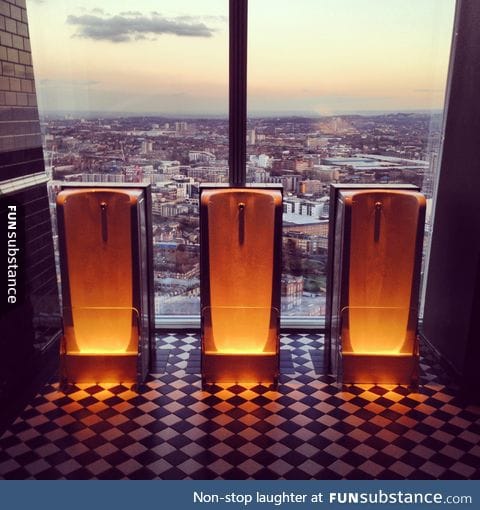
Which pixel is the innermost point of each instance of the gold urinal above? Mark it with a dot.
(240, 284)
(380, 257)
(101, 281)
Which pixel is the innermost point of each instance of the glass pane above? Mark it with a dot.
(130, 94)
(341, 91)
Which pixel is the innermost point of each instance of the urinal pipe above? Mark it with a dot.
(103, 208)
(378, 219)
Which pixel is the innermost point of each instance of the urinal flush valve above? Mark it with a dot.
(241, 222)
(378, 219)
(103, 209)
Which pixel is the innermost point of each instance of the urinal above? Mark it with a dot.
(240, 283)
(104, 284)
(379, 236)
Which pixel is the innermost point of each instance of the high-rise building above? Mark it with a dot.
(181, 127)
(147, 147)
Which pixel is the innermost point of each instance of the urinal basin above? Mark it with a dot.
(241, 230)
(380, 311)
(98, 244)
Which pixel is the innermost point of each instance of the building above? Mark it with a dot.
(317, 209)
(201, 157)
(147, 147)
(309, 244)
(305, 224)
(181, 127)
(292, 286)
(310, 187)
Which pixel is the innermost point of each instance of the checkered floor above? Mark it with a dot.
(309, 428)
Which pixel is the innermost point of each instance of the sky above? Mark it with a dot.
(304, 56)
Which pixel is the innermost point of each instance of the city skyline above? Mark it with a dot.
(303, 155)
(337, 57)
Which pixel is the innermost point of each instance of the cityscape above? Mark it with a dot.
(304, 154)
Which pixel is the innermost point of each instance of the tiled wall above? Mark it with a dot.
(29, 325)
(20, 140)
(34, 320)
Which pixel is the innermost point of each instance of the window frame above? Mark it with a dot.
(237, 168)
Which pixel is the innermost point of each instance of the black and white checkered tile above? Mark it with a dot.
(310, 427)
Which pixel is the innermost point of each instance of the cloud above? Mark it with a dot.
(130, 26)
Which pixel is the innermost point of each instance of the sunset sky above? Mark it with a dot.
(305, 56)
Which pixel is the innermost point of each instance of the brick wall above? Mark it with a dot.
(20, 140)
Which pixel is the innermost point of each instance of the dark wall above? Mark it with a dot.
(34, 319)
(30, 323)
(453, 288)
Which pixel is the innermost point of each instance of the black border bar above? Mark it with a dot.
(238, 16)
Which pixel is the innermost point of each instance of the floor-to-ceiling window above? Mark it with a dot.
(341, 91)
(138, 92)
(338, 91)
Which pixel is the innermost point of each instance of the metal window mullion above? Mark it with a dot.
(238, 17)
